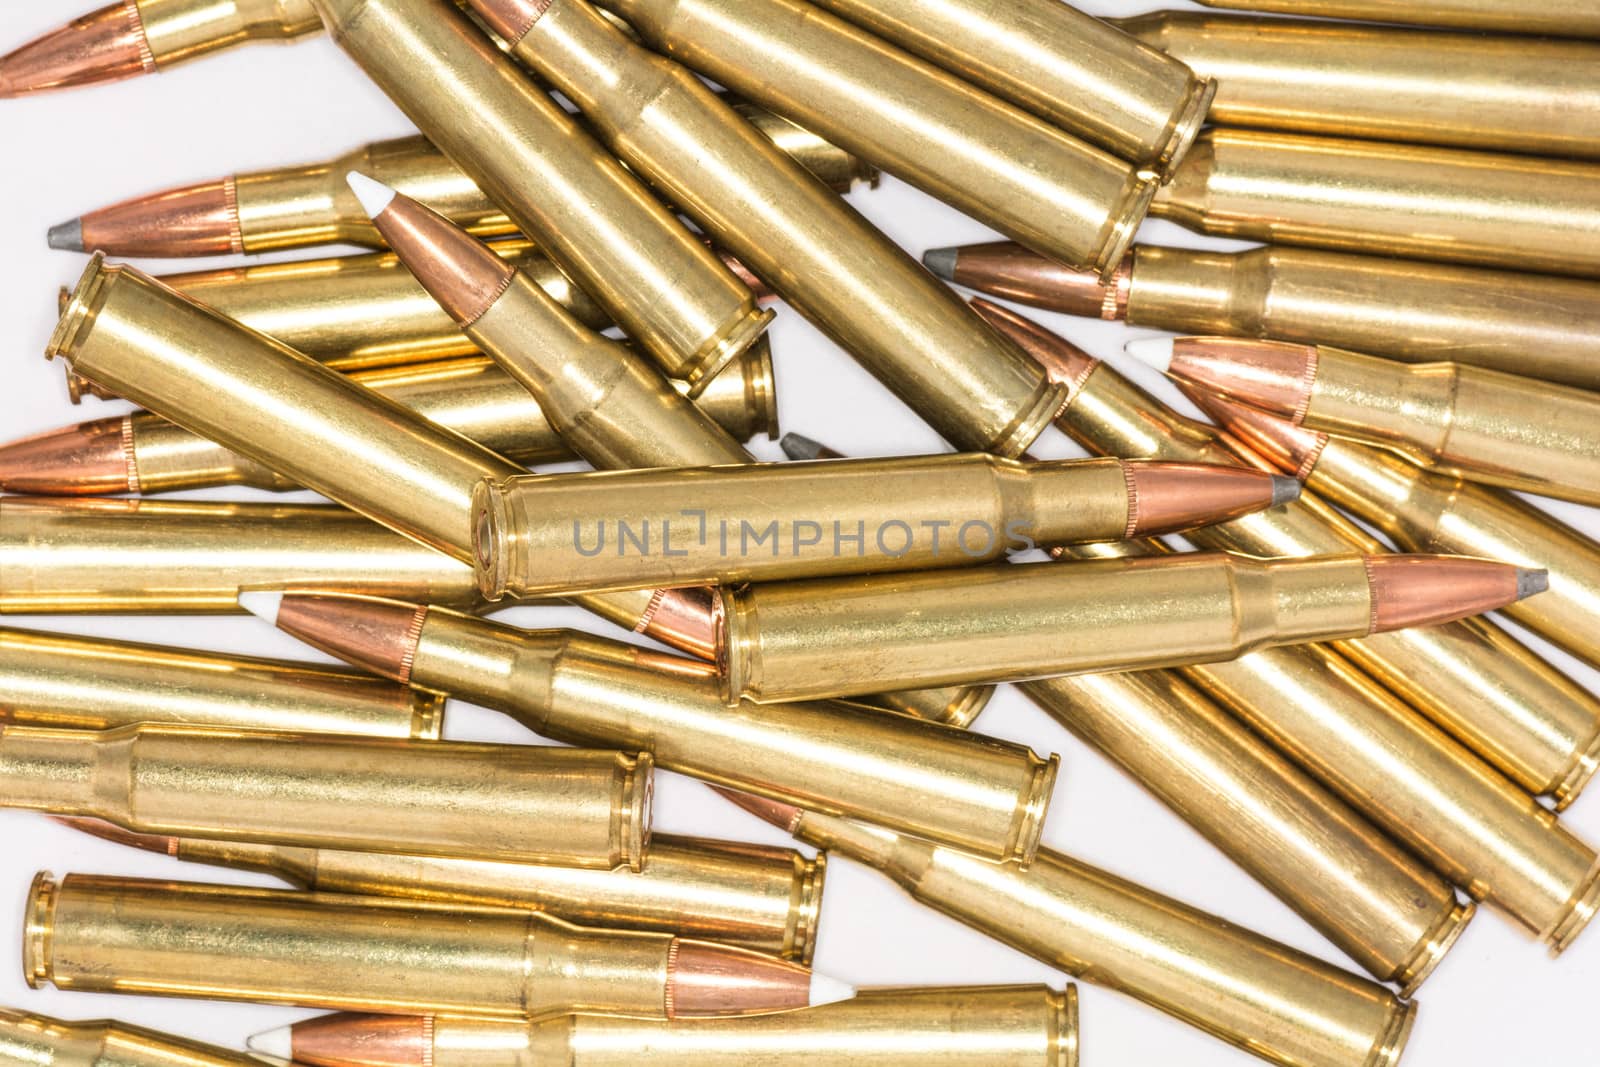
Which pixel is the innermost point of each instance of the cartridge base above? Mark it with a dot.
(1186, 127)
(1433, 949)
(1124, 225)
(725, 349)
(1585, 902)
(807, 911)
(39, 915)
(1387, 1052)
(1581, 774)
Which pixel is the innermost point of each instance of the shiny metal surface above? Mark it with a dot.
(146, 557)
(925, 778)
(280, 946)
(1042, 187)
(666, 289)
(1375, 901)
(179, 30)
(829, 263)
(1576, 18)
(1053, 60)
(61, 680)
(573, 806)
(48, 1042)
(1470, 90)
(1020, 1026)
(1266, 998)
(1443, 204)
(254, 395)
(822, 638)
(752, 896)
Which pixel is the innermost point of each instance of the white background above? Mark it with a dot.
(1497, 999)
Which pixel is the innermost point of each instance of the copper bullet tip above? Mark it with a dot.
(454, 267)
(347, 1039)
(1411, 590)
(942, 261)
(378, 635)
(105, 831)
(1172, 497)
(1063, 361)
(105, 45)
(66, 236)
(1272, 375)
(1281, 443)
(800, 447)
(705, 979)
(89, 459)
(1007, 270)
(685, 619)
(191, 220)
(785, 817)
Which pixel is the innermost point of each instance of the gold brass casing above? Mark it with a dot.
(47, 1042)
(1579, 18)
(180, 30)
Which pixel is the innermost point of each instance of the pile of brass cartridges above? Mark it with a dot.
(575, 262)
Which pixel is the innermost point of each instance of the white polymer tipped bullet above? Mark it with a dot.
(262, 604)
(279, 1043)
(374, 195)
(825, 990)
(1151, 351)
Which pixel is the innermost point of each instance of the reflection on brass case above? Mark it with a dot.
(995, 1026)
(293, 207)
(1502, 429)
(665, 288)
(521, 803)
(1051, 59)
(42, 1041)
(1511, 94)
(1361, 891)
(148, 557)
(1448, 514)
(833, 637)
(1264, 997)
(471, 396)
(179, 30)
(914, 335)
(546, 534)
(321, 950)
(249, 392)
(752, 896)
(989, 796)
(1574, 18)
(994, 162)
(1427, 203)
(1432, 794)
(86, 683)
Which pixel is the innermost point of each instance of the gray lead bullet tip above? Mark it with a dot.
(1284, 490)
(942, 261)
(68, 236)
(798, 446)
(1531, 581)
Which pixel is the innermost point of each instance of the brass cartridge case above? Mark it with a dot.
(925, 778)
(915, 336)
(46, 1042)
(252, 394)
(1269, 999)
(146, 557)
(996, 1026)
(60, 680)
(752, 896)
(1424, 788)
(547, 534)
(666, 289)
(1468, 90)
(570, 806)
(180, 30)
(295, 207)
(1054, 193)
(1503, 429)
(470, 395)
(1374, 900)
(809, 640)
(1420, 202)
(1068, 68)
(321, 950)
(1417, 508)
(1579, 18)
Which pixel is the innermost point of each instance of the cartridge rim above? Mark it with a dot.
(78, 317)
(489, 524)
(1393, 1042)
(721, 350)
(1434, 946)
(964, 710)
(805, 911)
(1186, 126)
(1577, 914)
(637, 813)
(732, 644)
(1051, 400)
(761, 388)
(1028, 823)
(427, 715)
(1125, 224)
(1064, 1027)
(38, 920)
(1579, 775)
